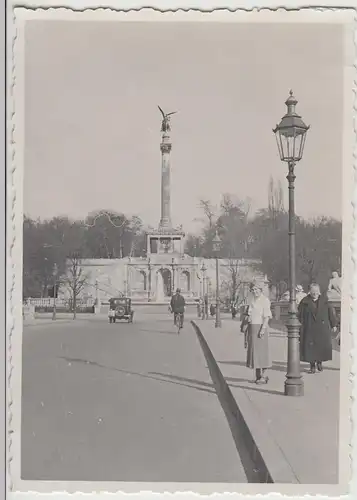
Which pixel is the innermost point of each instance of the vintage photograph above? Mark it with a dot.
(183, 210)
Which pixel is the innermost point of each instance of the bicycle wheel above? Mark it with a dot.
(179, 323)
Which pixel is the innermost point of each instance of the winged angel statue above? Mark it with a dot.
(165, 125)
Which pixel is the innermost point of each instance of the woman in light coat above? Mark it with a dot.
(258, 316)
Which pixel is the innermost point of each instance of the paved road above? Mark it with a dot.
(122, 403)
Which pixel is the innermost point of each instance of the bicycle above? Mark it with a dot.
(179, 323)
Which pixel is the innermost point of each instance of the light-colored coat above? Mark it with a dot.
(258, 355)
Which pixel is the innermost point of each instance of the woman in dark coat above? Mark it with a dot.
(317, 319)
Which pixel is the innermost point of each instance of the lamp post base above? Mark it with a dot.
(218, 323)
(294, 384)
(294, 388)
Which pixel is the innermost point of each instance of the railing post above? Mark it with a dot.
(277, 311)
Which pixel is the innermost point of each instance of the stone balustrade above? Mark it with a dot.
(280, 310)
(46, 304)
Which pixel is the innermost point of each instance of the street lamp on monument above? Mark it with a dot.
(290, 137)
(216, 248)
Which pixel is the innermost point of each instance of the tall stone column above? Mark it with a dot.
(165, 146)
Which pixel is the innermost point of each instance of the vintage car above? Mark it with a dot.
(120, 308)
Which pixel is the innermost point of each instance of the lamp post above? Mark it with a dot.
(290, 137)
(55, 272)
(199, 297)
(203, 270)
(216, 248)
(149, 287)
(173, 274)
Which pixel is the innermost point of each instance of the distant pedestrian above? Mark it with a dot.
(317, 319)
(257, 340)
(335, 286)
(212, 310)
(202, 309)
(285, 297)
(300, 294)
(206, 306)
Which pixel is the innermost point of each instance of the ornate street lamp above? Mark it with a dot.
(149, 284)
(216, 248)
(290, 137)
(203, 270)
(54, 273)
(199, 301)
(173, 274)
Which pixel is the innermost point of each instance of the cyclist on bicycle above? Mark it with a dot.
(177, 305)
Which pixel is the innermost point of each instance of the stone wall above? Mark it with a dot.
(154, 279)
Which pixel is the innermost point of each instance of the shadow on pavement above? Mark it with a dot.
(276, 365)
(150, 377)
(158, 331)
(183, 379)
(280, 366)
(305, 367)
(228, 379)
(250, 388)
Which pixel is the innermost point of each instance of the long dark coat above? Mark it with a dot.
(177, 303)
(316, 320)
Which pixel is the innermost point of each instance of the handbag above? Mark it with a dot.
(245, 320)
(244, 325)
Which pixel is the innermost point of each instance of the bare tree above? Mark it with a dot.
(275, 200)
(235, 281)
(76, 280)
(209, 212)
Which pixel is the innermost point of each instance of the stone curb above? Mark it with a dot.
(251, 435)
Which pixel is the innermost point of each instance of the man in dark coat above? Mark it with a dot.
(317, 319)
(178, 306)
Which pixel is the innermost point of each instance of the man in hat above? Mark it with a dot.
(178, 306)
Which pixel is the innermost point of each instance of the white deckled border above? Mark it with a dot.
(14, 246)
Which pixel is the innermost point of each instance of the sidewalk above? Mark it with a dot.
(297, 437)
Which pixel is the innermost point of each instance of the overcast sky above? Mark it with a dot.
(93, 127)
